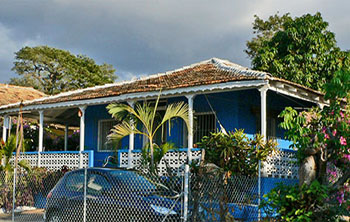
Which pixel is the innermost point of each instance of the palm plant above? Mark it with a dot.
(144, 115)
(6, 152)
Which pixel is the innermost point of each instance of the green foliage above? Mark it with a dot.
(264, 31)
(54, 70)
(234, 152)
(29, 184)
(322, 136)
(6, 153)
(158, 153)
(144, 116)
(301, 50)
(305, 204)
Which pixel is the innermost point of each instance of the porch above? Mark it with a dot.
(207, 112)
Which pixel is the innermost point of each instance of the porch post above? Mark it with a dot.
(131, 139)
(4, 134)
(263, 93)
(190, 130)
(41, 135)
(66, 130)
(4, 128)
(9, 127)
(82, 135)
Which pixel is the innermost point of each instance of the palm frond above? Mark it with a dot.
(25, 164)
(145, 115)
(119, 111)
(122, 130)
(174, 110)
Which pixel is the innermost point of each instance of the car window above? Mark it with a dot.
(133, 181)
(97, 184)
(75, 182)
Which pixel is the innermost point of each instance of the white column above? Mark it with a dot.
(190, 130)
(66, 130)
(4, 135)
(4, 128)
(131, 139)
(263, 93)
(82, 134)
(41, 130)
(10, 127)
(41, 135)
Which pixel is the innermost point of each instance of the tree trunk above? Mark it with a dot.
(152, 158)
(307, 170)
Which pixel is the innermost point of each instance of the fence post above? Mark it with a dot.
(259, 192)
(14, 194)
(187, 171)
(85, 185)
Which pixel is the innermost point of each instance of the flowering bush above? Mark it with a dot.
(28, 185)
(322, 139)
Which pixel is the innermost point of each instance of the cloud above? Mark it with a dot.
(8, 46)
(148, 36)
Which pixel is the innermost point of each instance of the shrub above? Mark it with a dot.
(301, 204)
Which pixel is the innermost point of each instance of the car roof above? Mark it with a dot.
(102, 169)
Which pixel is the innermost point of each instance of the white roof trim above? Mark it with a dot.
(297, 95)
(143, 95)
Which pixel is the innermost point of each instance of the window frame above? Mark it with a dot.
(202, 114)
(99, 138)
(79, 173)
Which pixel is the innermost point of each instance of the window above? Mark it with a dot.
(97, 184)
(204, 124)
(272, 122)
(104, 129)
(75, 182)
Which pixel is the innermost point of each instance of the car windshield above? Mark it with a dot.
(133, 181)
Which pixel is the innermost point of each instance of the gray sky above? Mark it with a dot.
(140, 37)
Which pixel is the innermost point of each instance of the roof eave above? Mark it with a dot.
(228, 86)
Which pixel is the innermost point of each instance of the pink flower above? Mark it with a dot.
(334, 132)
(326, 136)
(342, 141)
(340, 197)
(347, 156)
(341, 114)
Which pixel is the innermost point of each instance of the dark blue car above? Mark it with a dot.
(111, 195)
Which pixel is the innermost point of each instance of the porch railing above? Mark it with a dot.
(175, 159)
(55, 160)
(282, 164)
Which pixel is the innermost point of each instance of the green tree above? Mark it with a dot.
(144, 115)
(301, 50)
(54, 70)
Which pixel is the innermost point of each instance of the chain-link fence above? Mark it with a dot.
(221, 197)
(103, 194)
(94, 194)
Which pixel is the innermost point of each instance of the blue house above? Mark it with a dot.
(218, 92)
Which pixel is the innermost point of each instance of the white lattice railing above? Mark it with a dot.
(175, 159)
(55, 160)
(282, 164)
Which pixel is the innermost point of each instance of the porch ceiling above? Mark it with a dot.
(57, 116)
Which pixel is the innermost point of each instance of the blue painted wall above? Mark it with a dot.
(92, 116)
(233, 109)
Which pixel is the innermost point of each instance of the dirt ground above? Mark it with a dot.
(25, 216)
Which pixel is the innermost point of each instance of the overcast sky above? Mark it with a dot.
(140, 37)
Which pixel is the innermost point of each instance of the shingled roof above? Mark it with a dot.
(12, 94)
(209, 72)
